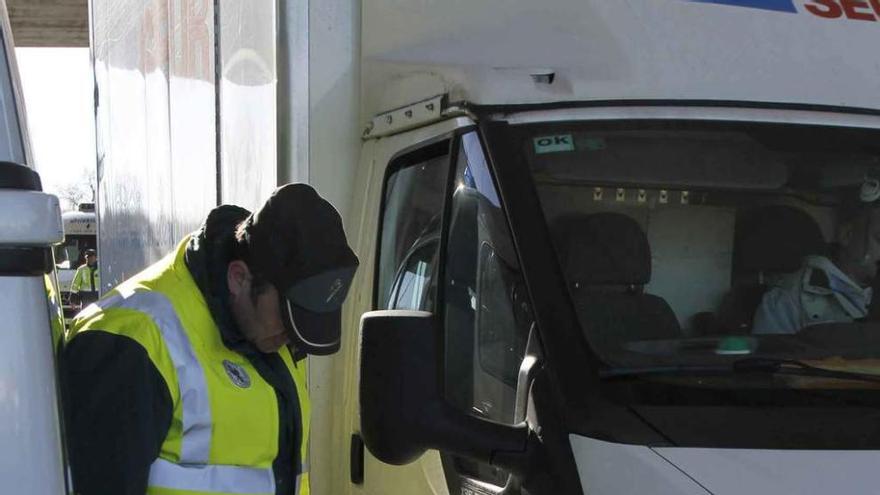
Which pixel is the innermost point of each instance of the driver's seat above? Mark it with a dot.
(606, 258)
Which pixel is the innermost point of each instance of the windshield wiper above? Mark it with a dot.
(752, 365)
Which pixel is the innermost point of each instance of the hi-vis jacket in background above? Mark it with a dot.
(165, 398)
(86, 279)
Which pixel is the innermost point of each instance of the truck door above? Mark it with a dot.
(443, 245)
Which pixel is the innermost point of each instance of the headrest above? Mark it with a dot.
(603, 249)
(775, 239)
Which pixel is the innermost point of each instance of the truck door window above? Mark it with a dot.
(413, 202)
(412, 284)
(487, 317)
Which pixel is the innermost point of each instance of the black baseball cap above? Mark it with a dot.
(91, 252)
(297, 243)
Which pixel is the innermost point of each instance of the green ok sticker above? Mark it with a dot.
(554, 144)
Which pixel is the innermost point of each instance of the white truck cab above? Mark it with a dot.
(568, 252)
(568, 215)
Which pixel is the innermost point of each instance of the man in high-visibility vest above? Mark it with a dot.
(187, 379)
(86, 281)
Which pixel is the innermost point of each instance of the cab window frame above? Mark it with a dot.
(410, 156)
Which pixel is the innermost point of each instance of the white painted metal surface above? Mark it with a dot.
(79, 223)
(246, 104)
(334, 116)
(772, 472)
(614, 469)
(30, 436)
(487, 51)
(30, 218)
(31, 462)
(608, 468)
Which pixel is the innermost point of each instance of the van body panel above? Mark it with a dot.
(599, 464)
(30, 427)
(729, 471)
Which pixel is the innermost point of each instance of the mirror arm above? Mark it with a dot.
(504, 446)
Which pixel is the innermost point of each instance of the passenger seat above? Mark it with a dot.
(606, 258)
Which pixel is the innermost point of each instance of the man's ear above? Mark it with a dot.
(238, 278)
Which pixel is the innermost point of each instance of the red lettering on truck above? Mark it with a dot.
(851, 9)
(825, 8)
(859, 10)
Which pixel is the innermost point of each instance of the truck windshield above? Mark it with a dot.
(691, 246)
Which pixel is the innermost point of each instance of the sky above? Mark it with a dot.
(58, 88)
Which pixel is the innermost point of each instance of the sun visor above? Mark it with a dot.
(658, 159)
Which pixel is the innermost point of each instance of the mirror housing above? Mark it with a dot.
(402, 409)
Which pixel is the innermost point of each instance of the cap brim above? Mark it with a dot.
(316, 333)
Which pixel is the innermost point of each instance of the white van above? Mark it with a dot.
(80, 234)
(31, 456)
(568, 215)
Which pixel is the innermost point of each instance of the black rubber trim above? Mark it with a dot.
(17, 176)
(25, 261)
(357, 459)
(484, 110)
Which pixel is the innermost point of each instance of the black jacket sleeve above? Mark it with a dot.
(117, 413)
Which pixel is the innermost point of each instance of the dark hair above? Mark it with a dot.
(240, 251)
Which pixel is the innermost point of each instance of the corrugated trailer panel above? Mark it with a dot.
(247, 85)
(154, 69)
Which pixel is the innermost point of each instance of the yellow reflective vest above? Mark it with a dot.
(56, 314)
(224, 433)
(86, 280)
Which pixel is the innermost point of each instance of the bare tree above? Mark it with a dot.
(82, 190)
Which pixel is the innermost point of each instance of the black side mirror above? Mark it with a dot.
(403, 412)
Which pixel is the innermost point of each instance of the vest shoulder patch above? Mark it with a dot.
(237, 374)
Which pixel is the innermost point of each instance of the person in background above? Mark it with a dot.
(86, 281)
(826, 291)
(188, 378)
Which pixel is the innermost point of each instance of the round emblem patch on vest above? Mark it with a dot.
(237, 374)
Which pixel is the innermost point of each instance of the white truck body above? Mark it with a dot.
(80, 233)
(201, 103)
(31, 459)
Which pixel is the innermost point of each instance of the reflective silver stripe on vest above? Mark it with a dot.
(192, 473)
(196, 442)
(218, 479)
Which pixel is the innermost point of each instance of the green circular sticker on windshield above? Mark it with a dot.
(734, 346)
